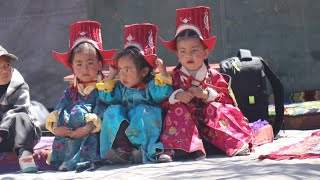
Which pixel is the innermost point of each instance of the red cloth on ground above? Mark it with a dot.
(305, 149)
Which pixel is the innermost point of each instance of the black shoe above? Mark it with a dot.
(117, 157)
(82, 166)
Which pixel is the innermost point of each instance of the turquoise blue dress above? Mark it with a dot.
(72, 115)
(140, 108)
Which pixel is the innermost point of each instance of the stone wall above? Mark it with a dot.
(284, 32)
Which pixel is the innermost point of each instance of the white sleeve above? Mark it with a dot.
(213, 94)
(172, 98)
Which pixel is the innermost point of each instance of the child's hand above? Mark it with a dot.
(199, 93)
(113, 71)
(80, 132)
(184, 96)
(162, 67)
(62, 131)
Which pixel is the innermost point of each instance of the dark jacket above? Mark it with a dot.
(15, 100)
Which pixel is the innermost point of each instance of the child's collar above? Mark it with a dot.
(201, 73)
(84, 88)
(140, 86)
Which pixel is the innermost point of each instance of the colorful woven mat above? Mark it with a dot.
(297, 109)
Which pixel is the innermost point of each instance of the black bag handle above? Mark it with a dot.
(278, 92)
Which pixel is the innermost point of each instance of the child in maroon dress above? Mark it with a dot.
(201, 108)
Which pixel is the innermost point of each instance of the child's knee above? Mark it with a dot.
(22, 116)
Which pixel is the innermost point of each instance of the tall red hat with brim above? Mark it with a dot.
(85, 31)
(144, 37)
(197, 19)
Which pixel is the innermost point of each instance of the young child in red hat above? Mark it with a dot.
(76, 119)
(201, 108)
(18, 131)
(132, 124)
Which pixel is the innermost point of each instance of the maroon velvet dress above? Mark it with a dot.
(219, 122)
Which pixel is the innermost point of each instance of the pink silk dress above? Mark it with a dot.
(219, 122)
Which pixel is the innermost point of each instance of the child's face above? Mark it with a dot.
(129, 75)
(5, 70)
(86, 65)
(191, 53)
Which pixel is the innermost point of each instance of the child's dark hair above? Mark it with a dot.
(138, 60)
(186, 34)
(84, 46)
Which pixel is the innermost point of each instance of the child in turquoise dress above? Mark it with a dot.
(76, 120)
(132, 124)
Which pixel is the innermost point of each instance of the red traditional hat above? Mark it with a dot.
(197, 19)
(85, 31)
(144, 37)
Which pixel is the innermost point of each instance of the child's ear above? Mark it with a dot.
(206, 53)
(177, 57)
(145, 71)
(100, 66)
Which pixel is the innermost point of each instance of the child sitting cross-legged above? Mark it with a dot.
(76, 119)
(201, 108)
(132, 123)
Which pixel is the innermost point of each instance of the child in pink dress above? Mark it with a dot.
(201, 108)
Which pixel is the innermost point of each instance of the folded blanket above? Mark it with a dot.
(9, 162)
